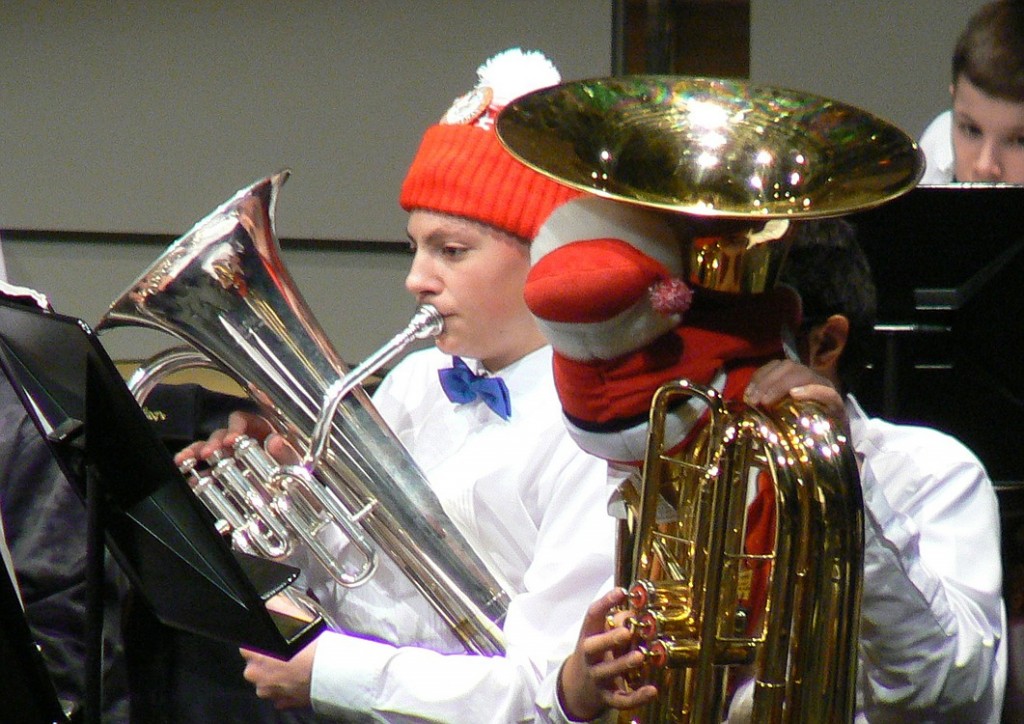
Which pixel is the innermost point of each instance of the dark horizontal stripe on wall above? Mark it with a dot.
(110, 237)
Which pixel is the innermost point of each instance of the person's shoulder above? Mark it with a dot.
(938, 128)
(937, 144)
(924, 473)
(919, 446)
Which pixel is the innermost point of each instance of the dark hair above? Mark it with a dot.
(990, 51)
(828, 268)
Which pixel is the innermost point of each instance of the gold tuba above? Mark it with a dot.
(223, 289)
(743, 163)
(690, 571)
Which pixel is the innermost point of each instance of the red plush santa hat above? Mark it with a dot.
(601, 277)
(462, 169)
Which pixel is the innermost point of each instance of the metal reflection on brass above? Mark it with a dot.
(711, 146)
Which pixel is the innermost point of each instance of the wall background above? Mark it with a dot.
(138, 118)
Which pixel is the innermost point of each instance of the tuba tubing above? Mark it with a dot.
(223, 289)
(685, 571)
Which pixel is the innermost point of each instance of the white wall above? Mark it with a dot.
(891, 58)
(142, 117)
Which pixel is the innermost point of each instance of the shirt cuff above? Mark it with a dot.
(345, 673)
(549, 706)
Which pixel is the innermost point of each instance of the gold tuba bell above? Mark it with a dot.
(745, 163)
(223, 289)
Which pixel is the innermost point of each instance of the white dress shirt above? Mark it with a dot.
(933, 617)
(529, 502)
(937, 144)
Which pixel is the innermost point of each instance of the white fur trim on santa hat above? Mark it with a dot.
(630, 444)
(593, 217)
(609, 338)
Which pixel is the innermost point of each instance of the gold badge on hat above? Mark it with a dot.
(467, 108)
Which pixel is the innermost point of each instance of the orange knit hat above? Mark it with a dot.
(462, 169)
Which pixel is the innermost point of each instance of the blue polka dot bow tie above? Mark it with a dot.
(462, 385)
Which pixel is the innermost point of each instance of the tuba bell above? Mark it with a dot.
(707, 606)
(223, 290)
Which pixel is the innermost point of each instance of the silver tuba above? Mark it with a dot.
(223, 289)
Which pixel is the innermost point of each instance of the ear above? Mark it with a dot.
(825, 345)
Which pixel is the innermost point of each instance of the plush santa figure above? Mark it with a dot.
(618, 291)
(613, 287)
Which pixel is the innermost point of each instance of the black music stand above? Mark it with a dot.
(136, 499)
(948, 263)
